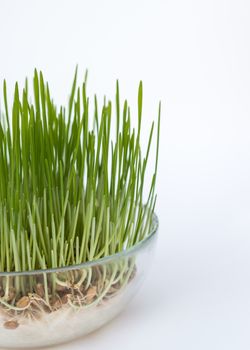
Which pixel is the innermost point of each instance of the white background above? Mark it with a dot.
(195, 57)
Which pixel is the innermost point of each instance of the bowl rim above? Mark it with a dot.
(124, 253)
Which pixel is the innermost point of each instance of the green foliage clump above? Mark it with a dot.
(69, 191)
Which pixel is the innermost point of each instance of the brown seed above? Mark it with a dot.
(23, 302)
(11, 324)
(12, 294)
(65, 298)
(91, 293)
(39, 290)
(57, 305)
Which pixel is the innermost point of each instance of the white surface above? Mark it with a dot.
(195, 56)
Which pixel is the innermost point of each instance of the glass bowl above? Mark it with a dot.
(58, 305)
